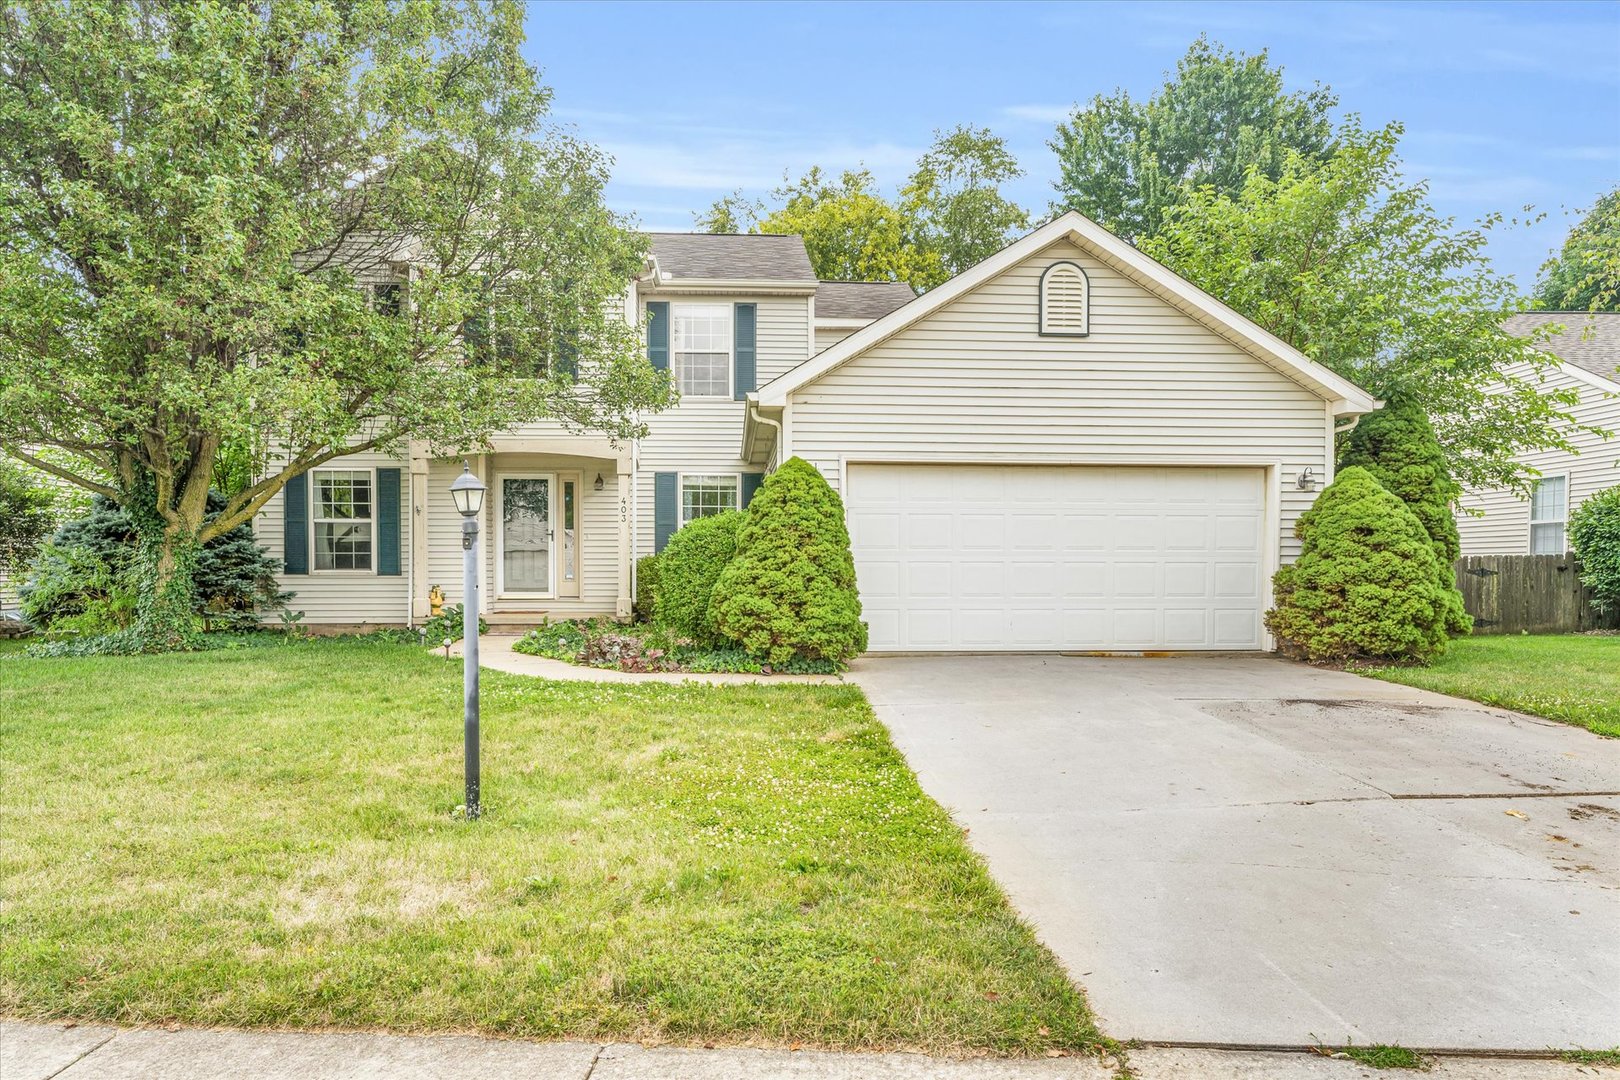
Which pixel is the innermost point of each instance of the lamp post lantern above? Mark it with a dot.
(468, 493)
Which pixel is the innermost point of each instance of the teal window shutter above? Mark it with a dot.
(666, 507)
(295, 525)
(745, 317)
(658, 334)
(750, 484)
(388, 522)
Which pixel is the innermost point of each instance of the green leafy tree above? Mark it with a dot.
(1397, 446)
(1123, 163)
(209, 211)
(953, 202)
(949, 214)
(27, 510)
(1594, 536)
(1347, 262)
(1366, 584)
(1585, 275)
(688, 568)
(790, 591)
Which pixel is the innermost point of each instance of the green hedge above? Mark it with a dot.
(1594, 536)
(688, 568)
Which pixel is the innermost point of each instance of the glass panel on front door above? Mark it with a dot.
(526, 534)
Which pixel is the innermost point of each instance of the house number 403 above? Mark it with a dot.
(624, 508)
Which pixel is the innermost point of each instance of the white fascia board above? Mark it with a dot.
(1347, 398)
(664, 284)
(1590, 378)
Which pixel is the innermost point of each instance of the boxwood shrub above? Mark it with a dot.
(1594, 536)
(688, 568)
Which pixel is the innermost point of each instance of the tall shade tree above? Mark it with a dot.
(1347, 262)
(268, 225)
(949, 214)
(1585, 274)
(1124, 162)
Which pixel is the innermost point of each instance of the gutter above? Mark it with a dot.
(755, 415)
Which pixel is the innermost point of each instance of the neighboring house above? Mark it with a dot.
(1506, 523)
(1065, 447)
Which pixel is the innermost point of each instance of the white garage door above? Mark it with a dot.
(990, 557)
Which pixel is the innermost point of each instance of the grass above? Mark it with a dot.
(1610, 1058)
(1386, 1057)
(1574, 678)
(267, 837)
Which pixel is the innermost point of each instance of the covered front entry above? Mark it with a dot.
(1028, 558)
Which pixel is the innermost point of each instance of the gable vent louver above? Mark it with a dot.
(1065, 301)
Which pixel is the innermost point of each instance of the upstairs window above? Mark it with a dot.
(701, 349)
(388, 298)
(1065, 301)
(1549, 512)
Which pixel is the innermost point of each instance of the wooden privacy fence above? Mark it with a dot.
(1535, 594)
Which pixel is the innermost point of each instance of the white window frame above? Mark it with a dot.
(315, 520)
(675, 309)
(680, 492)
(1562, 520)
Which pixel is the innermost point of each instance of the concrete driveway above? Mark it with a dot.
(1243, 850)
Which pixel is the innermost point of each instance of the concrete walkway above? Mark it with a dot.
(95, 1052)
(495, 652)
(1247, 851)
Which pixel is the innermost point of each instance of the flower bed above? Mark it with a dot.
(640, 647)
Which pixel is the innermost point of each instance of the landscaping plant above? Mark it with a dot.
(688, 568)
(790, 590)
(450, 623)
(1397, 446)
(26, 508)
(1366, 584)
(646, 588)
(1594, 536)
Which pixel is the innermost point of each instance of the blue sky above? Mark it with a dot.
(1504, 104)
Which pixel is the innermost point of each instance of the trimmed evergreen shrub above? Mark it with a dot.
(790, 590)
(688, 567)
(86, 567)
(646, 588)
(1366, 584)
(1398, 447)
(1594, 536)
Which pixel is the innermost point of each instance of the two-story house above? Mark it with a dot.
(1064, 447)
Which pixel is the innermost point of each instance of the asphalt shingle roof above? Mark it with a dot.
(861, 299)
(731, 256)
(1591, 339)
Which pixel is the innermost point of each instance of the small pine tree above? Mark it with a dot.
(1594, 536)
(790, 590)
(1398, 447)
(1366, 583)
(688, 567)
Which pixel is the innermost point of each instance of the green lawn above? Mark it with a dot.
(1570, 677)
(266, 837)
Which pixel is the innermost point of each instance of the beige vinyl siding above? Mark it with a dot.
(975, 382)
(598, 529)
(345, 596)
(828, 336)
(704, 435)
(1504, 527)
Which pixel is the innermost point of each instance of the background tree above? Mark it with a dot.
(1585, 275)
(1123, 162)
(27, 511)
(1348, 262)
(949, 214)
(1594, 537)
(196, 198)
(1397, 446)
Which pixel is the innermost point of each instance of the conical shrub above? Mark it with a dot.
(1366, 584)
(790, 590)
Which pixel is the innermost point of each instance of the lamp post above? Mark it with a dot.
(468, 493)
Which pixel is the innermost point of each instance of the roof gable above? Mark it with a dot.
(1345, 396)
(1590, 339)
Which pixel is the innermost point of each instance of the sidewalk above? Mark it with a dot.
(96, 1052)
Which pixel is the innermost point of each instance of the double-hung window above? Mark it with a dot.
(706, 494)
(343, 519)
(1549, 511)
(701, 349)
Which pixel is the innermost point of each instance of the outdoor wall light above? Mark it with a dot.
(598, 485)
(1307, 480)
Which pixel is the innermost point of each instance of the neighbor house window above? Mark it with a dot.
(1549, 506)
(705, 495)
(701, 349)
(342, 519)
(388, 298)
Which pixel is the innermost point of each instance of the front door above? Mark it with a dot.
(525, 543)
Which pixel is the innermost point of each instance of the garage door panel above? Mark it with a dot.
(1014, 557)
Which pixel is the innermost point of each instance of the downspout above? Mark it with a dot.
(753, 411)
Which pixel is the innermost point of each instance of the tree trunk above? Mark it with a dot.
(166, 567)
